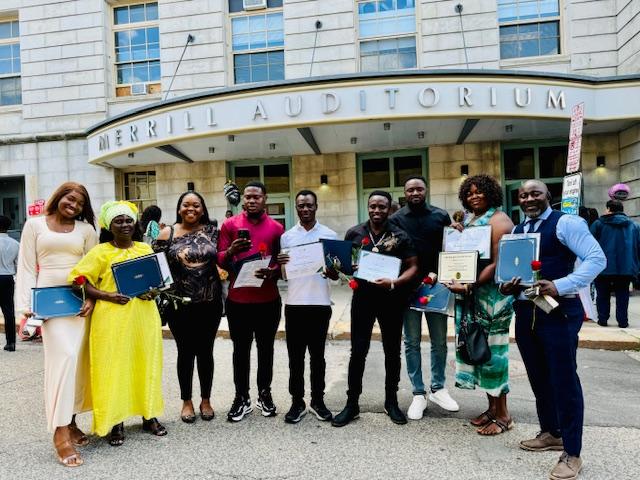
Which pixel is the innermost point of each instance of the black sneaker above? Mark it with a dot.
(349, 413)
(395, 414)
(321, 411)
(241, 406)
(265, 403)
(296, 412)
(10, 347)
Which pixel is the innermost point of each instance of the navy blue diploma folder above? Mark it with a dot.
(52, 302)
(339, 252)
(514, 259)
(438, 296)
(138, 275)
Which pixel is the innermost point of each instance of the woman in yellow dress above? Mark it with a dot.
(126, 336)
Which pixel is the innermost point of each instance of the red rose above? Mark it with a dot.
(536, 265)
(80, 280)
(365, 241)
(423, 300)
(353, 283)
(427, 280)
(262, 248)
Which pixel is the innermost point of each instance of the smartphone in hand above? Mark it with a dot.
(244, 234)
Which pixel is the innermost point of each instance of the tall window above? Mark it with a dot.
(10, 88)
(529, 28)
(140, 188)
(257, 41)
(388, 171)
(387, 35)
(137, 49)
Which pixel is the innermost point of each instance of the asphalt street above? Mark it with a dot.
(440, 446)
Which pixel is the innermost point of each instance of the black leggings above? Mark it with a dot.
(194, 328)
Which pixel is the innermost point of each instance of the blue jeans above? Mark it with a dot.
(437, 323)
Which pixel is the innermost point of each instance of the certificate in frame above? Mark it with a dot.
(459, 266)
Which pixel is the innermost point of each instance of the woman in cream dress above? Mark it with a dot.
(50, 247)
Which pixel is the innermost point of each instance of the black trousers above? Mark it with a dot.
(194, 327)
(306, 327)
(6, 304)
(365, 308)
(246, 321)
(548, 350)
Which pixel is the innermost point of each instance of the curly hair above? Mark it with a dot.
(485, 184)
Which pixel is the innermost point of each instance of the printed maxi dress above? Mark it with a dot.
(494, 311)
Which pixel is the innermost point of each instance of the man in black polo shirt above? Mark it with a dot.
(425, 225)
(383, 299)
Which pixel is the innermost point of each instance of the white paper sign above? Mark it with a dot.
(247, 275)
(575, 138)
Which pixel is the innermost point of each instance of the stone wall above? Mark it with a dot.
(630, 168)
(628, 21)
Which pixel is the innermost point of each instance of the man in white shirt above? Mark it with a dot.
(307, 313)
(8, 261)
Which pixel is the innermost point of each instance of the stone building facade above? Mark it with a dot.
(86, 66)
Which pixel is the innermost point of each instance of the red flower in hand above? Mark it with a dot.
(423, 300)
(262, 248)
(80, 280)
(353, 283)
(365, 241)
(427, 280)
(536, 265)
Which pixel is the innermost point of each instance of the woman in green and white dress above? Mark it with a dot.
(481, 195)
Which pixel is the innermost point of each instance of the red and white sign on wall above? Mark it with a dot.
(575, 138)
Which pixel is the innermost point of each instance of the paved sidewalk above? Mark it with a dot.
(591, 336)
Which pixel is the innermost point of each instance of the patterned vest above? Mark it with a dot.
(557, 260)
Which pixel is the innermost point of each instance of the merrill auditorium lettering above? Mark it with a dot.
(331, 102)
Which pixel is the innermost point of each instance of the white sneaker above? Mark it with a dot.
(417, 407)
(444, 400)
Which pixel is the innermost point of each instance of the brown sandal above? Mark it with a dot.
(502, 427)
(78, 437)
(67, 452)
(486, 416)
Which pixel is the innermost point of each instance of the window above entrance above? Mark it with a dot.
(387, 31)
(529, 28)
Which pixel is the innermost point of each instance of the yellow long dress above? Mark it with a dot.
(125, 345)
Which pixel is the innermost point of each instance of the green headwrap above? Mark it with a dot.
(111, 210)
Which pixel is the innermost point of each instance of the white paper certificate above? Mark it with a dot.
(304, 260)
(459, 266)
(471, 238)
(373, 266)
(247, 275)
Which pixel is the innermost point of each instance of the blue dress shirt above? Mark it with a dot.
(572, 231)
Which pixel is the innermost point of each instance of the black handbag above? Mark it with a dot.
(472, 344)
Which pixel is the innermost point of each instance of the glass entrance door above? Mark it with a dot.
(13, 203)
(276, 176)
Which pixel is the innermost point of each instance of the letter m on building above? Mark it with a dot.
(103, 142)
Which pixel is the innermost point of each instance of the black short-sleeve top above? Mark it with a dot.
(192, 260)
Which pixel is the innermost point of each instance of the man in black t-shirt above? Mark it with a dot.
(384, 299)
(425, 225)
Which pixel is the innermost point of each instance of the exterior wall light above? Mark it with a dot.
(601, 161)
(324, 179)
(387, 126)
(131, 154)
(420, 134)
(231, 138)
(354, 140)
(272, 146)
(464, 170)
(508, 128)
(212, 150)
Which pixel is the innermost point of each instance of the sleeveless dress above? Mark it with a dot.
(494, 311)
(45, 260)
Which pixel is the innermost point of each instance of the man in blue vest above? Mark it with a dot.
(548, 342)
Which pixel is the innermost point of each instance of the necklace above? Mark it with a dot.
(375, 248)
